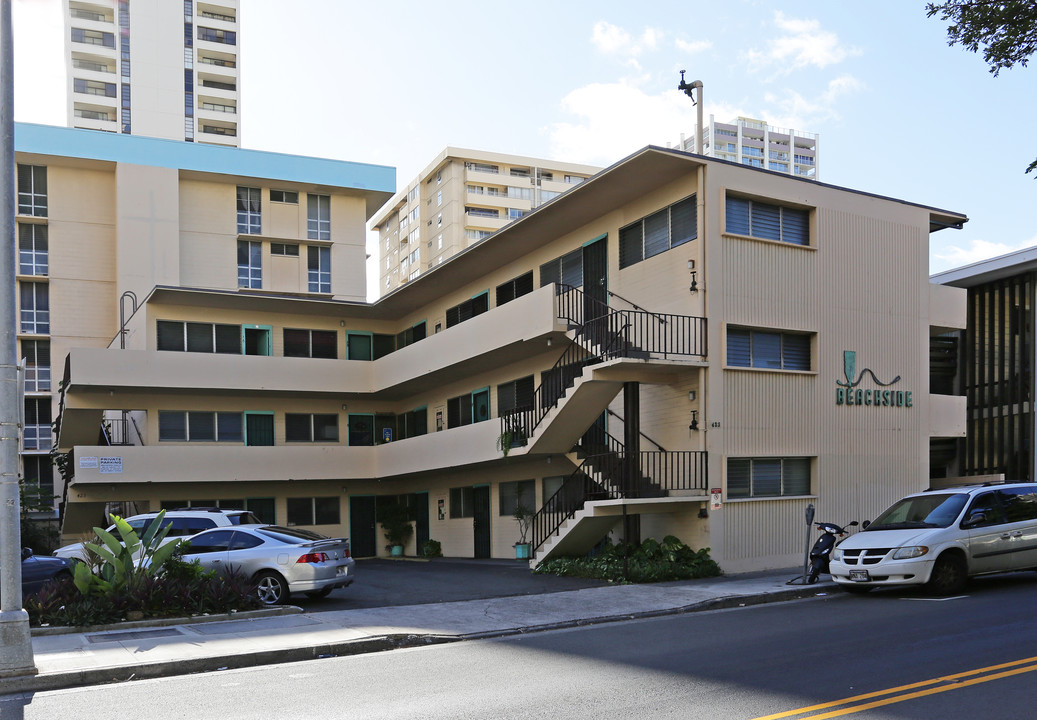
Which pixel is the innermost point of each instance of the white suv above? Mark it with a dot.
(182, 524)
(941, 538)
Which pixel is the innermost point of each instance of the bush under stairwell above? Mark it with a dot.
(651, 561)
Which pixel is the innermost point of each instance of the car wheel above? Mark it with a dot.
(857, 589)
(271, 588)
(318, 594)
(949, 575)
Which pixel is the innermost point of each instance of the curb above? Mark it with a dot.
(381, 643)
(165, 622)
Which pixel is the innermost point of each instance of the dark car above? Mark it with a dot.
(38, 570)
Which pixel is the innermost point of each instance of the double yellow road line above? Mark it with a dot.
(859, 703)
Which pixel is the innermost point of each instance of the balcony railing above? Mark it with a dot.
(602, 477)
(603, 334)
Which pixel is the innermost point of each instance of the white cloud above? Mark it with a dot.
(609, 38)
(949, 256)
(613, 120)
(792, 110)
(802, 44)
(651, 38)
(692, 47)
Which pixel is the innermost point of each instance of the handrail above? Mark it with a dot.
(610, 411)
(636, 306)
(660, 471)
(602, 333)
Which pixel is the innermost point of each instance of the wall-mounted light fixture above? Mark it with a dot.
(694, 420)
(692, 395)
(342, 323)
(694, 284)
(344, 406)
(549, 342)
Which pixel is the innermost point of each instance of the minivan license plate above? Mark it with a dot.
(860, 575)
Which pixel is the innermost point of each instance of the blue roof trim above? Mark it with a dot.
(138, 150)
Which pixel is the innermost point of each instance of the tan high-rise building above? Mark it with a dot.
(460, 198)
(159, 68)
(755, 143)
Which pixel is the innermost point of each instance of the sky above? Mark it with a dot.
(898, 111)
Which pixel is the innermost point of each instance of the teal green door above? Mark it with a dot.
(259, 428)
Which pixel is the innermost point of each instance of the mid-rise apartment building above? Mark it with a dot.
(756, 144)
(461, 197)
(102, 219)
(155, 68)
(678, 345)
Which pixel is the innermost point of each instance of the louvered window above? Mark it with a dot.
(768, 349)
(658, 232)
(769, 222)
(517, 287)
(768, 477)
(467, 310)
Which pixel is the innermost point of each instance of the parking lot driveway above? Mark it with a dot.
(385, 583)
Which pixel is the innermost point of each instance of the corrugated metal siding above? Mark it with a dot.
(862, 288)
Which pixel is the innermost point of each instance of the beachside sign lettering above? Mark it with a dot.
(850, 393)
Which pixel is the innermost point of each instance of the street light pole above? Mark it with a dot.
(15, 641)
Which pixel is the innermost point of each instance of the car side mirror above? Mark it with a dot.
(975, 519)
(853, 523)
(26, 553)
(865, 524)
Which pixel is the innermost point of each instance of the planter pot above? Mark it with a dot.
(397, 551)
(522, 551)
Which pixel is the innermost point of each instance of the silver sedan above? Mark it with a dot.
(281, 560)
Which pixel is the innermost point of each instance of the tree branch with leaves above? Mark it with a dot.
(1007, 31)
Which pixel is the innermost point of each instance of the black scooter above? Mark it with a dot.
(821, 553)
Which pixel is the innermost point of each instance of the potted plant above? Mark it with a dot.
(510, 438)
(524, 516)
(396, 522)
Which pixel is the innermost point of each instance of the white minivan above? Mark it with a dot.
(941, 538)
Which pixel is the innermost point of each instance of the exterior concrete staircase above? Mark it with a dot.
(607, 348)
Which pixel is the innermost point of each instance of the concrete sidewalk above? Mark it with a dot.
(158, 648)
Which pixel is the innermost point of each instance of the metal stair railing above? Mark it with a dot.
(602, 333)
(601, 477)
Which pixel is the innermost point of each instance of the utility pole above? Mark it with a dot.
(15, 641)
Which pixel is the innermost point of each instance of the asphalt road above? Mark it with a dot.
(385, 583)
(881, 656)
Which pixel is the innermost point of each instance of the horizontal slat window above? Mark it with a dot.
(768, 349)
(467, 310)
(767, 221)
(522, 285)
(658, 232)
(768, 477)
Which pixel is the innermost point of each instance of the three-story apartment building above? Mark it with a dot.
(679, 345)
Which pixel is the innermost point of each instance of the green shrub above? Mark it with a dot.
(191, 591)
(432, 548)
(138, 575)
(651, 561)
(122, 561)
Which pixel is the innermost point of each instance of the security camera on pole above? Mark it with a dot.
(15, 641)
